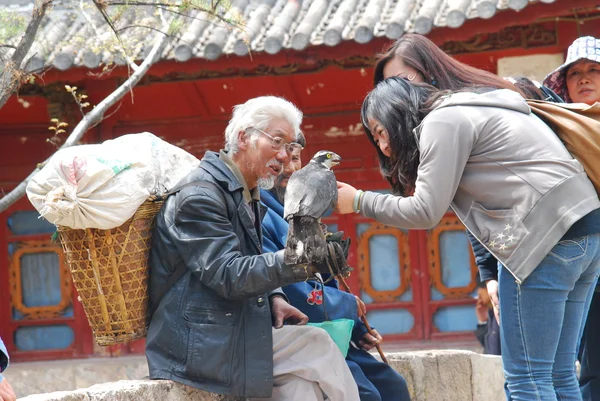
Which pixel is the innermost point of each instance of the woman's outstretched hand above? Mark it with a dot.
(346, 195)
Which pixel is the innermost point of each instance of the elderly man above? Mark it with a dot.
(220, 320)
(376, 381)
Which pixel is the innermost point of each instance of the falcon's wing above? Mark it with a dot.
(310, 192)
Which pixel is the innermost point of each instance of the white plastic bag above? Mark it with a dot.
(101, 186)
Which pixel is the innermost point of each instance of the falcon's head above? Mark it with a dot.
(326, 158)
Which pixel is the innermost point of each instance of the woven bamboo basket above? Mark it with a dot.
(110, 272)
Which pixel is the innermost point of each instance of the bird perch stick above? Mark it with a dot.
(364, 320)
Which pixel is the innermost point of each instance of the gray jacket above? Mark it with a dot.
(503, 171)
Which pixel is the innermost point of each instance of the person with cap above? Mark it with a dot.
(578, 81)
(322, 301)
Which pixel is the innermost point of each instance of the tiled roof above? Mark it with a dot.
(70, 37)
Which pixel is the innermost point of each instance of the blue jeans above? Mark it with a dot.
(542, 320)
(589, 353)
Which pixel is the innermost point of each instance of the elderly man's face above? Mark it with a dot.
(267, 162)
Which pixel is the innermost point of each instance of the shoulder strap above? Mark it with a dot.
(182, 269)
(206, 184)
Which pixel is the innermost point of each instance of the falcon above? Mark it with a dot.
(310, 192)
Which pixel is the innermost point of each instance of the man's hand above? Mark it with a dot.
(360, 307)
(282, 312)
(492, 288)
(369, 341)
(6, 391)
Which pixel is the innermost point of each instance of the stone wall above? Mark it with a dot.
(431, 375)
(534, 67)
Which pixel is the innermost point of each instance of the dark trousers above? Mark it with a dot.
(589, 354)
(376, 381)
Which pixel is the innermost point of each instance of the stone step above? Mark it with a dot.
(438, 375)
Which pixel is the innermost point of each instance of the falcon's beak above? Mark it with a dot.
(335, 160)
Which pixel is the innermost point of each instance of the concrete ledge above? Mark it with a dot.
(65, 375)
(443, 375)
(139, 390)
(448, 375)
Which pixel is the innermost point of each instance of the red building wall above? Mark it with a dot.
(179, 103)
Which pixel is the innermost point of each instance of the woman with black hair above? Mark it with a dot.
(517, 189)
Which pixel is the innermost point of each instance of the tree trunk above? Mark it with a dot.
(13, 70)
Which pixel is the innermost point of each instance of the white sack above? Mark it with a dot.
(101, 186)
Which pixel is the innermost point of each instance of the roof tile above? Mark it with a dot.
(70, 37)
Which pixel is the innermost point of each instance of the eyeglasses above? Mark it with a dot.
(292, 148)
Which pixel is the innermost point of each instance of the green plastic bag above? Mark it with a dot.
(340, 331)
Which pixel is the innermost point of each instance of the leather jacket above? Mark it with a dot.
(212, 329)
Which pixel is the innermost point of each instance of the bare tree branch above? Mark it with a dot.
(88, 19)
(212, 10)
(152, 29)
(11, 77)
(94, 116)
(102, 9)
(130, 62)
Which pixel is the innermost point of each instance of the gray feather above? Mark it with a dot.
(310, 192)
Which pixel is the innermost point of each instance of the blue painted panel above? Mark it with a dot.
(408, 295)
(391, 321)
(385, 266)
(43, 338)
(366, 298)
(455, 256)
(435, 294)
(361, 228)
(40, 278)
(29, 222)
(12, 247)
(332, 228)
(384, 262)
(455, 318)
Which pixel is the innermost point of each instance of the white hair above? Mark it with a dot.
(258, 113)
